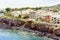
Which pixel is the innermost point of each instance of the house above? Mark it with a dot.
(32, 14)
(54, 15)
(15, 13)
(26, 11)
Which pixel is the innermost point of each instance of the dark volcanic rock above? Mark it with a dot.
(11, 22)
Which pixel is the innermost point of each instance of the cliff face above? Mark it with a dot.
(8, 23)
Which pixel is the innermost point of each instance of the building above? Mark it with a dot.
(15, 13)
(32, 15)
(26, 11)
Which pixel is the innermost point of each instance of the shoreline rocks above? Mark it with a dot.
(30, 26)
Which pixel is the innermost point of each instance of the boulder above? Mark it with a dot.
(57, 32)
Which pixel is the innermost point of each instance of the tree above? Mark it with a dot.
(39, 7)
(19, 16)
(36, 8)
(27, 7)
(8, 9)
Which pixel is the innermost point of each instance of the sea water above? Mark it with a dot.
(19, 35)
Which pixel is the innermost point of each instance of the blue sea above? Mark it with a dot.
(19, 35)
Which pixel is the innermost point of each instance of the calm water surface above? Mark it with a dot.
(19, 35)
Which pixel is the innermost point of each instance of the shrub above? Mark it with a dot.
(26, 16)
(28, 24)
(22, 22)
(19, 16)
(8, 9)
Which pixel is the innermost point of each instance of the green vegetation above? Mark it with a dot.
(19, 16)
(26, 16)
(7, 13)
(28, 24)
(8, 9)
(17, 9)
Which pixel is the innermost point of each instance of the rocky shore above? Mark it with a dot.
(30, 26)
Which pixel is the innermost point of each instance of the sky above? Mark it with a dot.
(27, 3)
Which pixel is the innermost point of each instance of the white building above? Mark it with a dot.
(32, 15)
(54, 16)
(45, 13)
(15, 13)
(26, 11)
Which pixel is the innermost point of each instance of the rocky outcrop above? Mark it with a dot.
(9, 23)
(57, 32)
